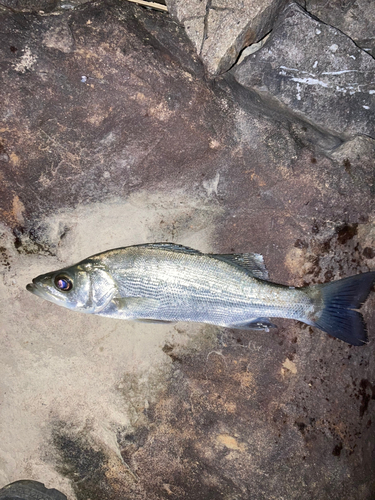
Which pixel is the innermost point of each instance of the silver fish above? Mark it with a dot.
(164, 282)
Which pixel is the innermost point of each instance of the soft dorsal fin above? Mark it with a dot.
(172, 247)
(252, 262)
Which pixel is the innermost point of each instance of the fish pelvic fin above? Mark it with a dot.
(339, 301)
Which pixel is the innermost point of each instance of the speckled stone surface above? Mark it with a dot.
(316, 72)
(220, 29)
(110, 135)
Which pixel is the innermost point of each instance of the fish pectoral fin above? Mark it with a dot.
(103, 300)
(133, 304)
(253, 263)
(254, 324)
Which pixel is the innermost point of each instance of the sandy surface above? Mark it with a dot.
(61, 366)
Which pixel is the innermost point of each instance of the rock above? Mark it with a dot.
(220, 29)
(357, 158)
(361, 150)
(29, 5)
(355, 18)
(70, 4)
(60, 38)
(314, 72)
(40, 5)
(114, 137)
(90, 77)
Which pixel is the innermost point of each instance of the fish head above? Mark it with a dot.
(85, 287)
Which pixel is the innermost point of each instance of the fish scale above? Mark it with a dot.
(191, 287)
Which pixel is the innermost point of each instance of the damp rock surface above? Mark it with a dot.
(110, 136)
(316, 72)
(355, 18)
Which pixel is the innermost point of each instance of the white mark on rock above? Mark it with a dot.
(298, 92)
(350, 88)
(309, 81)
(318, 31)
(26, 62)
(313, 79)
(211, 185)
(289, 69)
(294, 69)
(108, 139)
(214, 144)
(83, 79)
(340, 72)
(315, 64)
(366, 107)
(353, 57)
(333, 47)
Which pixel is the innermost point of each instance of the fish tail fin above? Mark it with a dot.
(340, 299)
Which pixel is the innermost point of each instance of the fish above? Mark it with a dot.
(167, 283)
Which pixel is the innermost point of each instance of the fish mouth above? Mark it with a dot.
(35, 289)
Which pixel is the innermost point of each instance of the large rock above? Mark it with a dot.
(41, 6)
(355, 18)
(220, 29)
(111, 136)
(315, 72)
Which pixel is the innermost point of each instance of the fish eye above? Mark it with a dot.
(63, 283)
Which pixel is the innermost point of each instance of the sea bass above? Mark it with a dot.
(164, 282)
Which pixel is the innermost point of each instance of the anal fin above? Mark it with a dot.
(254, 324)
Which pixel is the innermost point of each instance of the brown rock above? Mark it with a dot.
(141, 149)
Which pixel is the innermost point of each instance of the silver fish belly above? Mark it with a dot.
(168, 283)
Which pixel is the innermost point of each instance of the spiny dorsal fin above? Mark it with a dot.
(172, 247)
(252, 262)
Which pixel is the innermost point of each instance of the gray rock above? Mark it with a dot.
(315, 72)
(220, 29)
(355, 18)
(114, 137)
